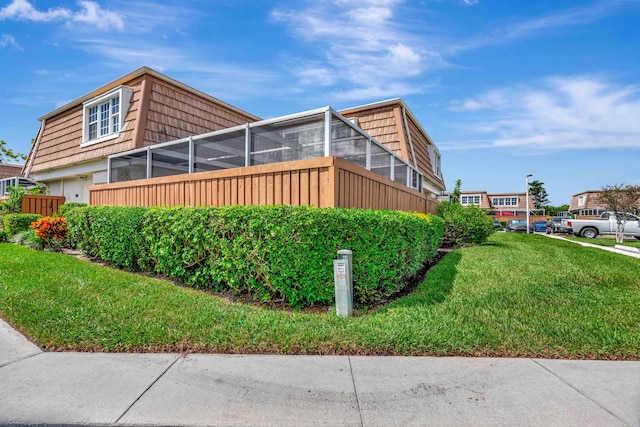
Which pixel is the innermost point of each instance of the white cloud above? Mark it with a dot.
(578, 112)
(360, 45)
(23, 10)
(9, 40)
(90, 13)
(93, 14)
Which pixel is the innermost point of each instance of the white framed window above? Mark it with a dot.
(434, 154)
(581, 200)
(470, 200)
(504, 201)
(102, 116)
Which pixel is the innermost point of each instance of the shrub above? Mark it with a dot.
(286, 253)
(15, 223)
(63, 210)
(14, 203)
(273, 253)
(3, 236)
(27, 238)
(110, 233)
(51, 230)
(464, 225)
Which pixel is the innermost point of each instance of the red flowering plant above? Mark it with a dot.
(51, 230)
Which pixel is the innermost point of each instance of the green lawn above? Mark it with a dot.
(607, 241)
(518, 295)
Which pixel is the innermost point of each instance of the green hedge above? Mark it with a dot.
(110, 233)
(64, 209)
(15, 223)
(271, 252)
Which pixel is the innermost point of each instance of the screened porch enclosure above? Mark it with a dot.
(308, 135)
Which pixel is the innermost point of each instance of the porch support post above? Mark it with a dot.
(327, 132)
(191, 156)
(247, 146)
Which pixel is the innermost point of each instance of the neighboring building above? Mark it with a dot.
(500, 204)
(586, 205)
(145, 125)
(497, 201)
(11, 176)
(10, 171)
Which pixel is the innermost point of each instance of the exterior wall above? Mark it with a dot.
(386, 123)
(61, 137)
(158, 112)
(522, 201)
(381, 123)
(174, 113)
(323, 182)
(421, 149)
(485, 202)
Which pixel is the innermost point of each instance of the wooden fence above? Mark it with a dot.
(321, 182)
(42, 204)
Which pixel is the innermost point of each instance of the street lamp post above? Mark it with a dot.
(527, 200)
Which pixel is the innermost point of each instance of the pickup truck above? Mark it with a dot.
(606, 224)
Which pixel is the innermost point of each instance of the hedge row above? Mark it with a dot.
(15, 223)
(271, 252)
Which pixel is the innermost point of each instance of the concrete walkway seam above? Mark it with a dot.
(355, 391)
(149, 388)
(580, 392)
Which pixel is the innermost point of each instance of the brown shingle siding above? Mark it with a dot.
(171, 112)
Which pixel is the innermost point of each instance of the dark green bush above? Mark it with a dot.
(464, 225)
(14, 223)
(286, 253)
(63, 210)
(3, 236)
(271, 252)
(110, 233)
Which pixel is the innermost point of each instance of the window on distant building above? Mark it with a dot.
(581, 200)
(103, 116)
(591, 212)
(470, 200)
(504, 201)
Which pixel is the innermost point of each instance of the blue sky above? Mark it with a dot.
(504, 88)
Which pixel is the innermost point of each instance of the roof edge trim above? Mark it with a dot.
(137, 73)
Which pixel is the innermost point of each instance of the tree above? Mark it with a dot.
(8, 154)
(621, 200)
(455, 195)
(554, 210)
(538, 193)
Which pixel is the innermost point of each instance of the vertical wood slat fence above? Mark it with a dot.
(322, 182)
(42, 204)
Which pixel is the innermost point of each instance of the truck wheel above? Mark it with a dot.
(589, 233)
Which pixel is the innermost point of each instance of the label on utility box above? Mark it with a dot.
(340, 273)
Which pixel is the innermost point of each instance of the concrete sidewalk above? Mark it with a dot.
(39, 388)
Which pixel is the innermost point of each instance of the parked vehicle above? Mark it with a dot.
(497, 223)
(556, 225)
(517, 225)
(540, 225)
(606, 224)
